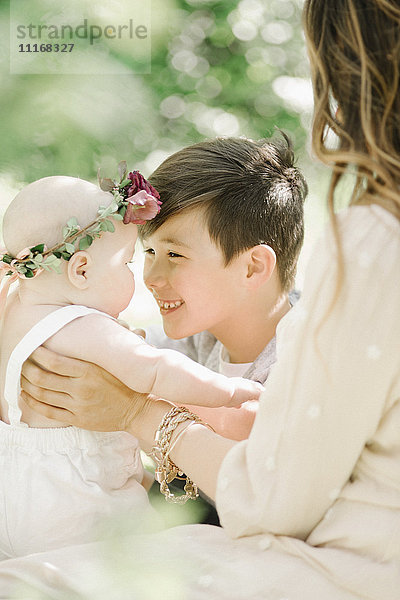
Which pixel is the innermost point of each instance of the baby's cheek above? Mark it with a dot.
(132, 284)
(127, 289)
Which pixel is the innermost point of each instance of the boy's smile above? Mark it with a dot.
(167, 306)
(186, 273)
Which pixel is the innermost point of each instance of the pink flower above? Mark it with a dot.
(142, 206)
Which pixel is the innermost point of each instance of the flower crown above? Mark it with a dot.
(135, 201)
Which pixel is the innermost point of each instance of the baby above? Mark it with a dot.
(69, 245)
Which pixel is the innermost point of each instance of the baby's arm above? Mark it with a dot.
(146, 369)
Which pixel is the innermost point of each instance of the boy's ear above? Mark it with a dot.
(77, 268)
(260, 265)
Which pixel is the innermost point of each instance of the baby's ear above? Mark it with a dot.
(78, 265)
(261, 264)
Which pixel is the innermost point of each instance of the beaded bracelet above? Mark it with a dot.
(166, 470)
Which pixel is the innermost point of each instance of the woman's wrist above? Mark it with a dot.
(194, 449)
(199, 453)
(143, 425)
(174, 424)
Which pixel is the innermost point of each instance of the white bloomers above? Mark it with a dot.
(58, 486)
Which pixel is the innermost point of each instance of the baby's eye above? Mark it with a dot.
(148, 251)
(174, 254)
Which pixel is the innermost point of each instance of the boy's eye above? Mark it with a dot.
(170, 253)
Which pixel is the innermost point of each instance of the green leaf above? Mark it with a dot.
(65, 232)
(107, 185)
(56, 265)
(110, 226)
(85, 242)
(70, 248)
(124, 183)
(72, 222)
(103, 226)
(122, 168)
(29, 274)
(94, 230)
(38, 258)
(107, 211)
(52, 258)
(39, 248)
(7, 259)
(112, 208)
(83, 245)
(122, 211)
(117, 217)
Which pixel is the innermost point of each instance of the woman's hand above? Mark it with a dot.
(84, 395)
(80, 393)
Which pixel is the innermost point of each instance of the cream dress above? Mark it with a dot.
(310, 504)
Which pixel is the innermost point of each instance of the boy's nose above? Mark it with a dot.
(153, 278)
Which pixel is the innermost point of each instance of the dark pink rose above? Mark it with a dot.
(140, 183)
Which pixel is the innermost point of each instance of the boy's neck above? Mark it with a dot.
(245, 339)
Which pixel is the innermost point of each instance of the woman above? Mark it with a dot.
(310, 503)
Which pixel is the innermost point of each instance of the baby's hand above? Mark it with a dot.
(244, 390)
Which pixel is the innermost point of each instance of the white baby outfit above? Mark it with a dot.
(59, 484)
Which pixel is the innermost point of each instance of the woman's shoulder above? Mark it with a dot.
(368, 236)
(361, 263)
(360, 222)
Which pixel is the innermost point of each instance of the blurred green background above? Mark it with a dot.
(218, 68)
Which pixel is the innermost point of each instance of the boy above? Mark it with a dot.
(221, 258)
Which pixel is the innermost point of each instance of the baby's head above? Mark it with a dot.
(97, 275)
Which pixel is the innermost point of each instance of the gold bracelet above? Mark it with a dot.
(166, 470)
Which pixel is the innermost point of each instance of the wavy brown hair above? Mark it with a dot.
(354, 49)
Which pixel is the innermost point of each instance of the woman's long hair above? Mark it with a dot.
(354, 49)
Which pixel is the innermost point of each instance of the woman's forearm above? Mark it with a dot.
(198, 451)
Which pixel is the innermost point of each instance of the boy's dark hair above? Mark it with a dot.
(250, 191)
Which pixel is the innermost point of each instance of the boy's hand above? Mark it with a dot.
(77, 392)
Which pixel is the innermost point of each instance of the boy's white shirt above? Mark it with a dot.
(144, 368)
(229, 369)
